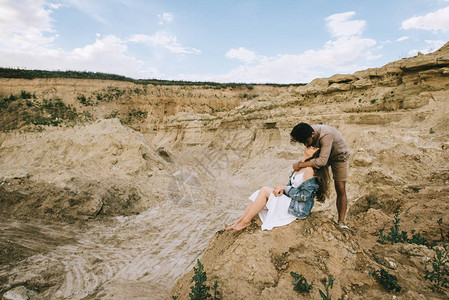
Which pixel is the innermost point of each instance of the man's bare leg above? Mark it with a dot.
(340, 188)
(254, 209)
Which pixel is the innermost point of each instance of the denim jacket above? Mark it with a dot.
(303, 197)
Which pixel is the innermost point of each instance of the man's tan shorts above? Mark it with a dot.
(340, 170)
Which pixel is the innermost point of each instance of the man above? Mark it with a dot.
(334, 152)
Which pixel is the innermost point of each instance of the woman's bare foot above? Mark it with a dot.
(239, 226)
(232, 226)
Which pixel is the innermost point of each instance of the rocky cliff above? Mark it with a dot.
(74, 149)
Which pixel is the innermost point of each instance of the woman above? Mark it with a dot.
(284, 204)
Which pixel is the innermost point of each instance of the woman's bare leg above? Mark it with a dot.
(253, 209)
(242, 216)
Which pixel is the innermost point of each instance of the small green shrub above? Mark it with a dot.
(4, 103)
(199, 290)
(11, 98)
(377, 259)
(300, 283)
(112, 115)
(397, 236)
(25, 95)
(329, 283)
(439, 275)
(85, 101)
(418, 239)
(388, 281)
(373, 101)
(216, 292)
(431, 131)
(444, 236)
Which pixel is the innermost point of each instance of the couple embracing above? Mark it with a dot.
(309, 180)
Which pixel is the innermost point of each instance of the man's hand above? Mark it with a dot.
(308, 153)
(296, 166)
(279, 190)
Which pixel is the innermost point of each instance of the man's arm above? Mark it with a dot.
(321, 161)
(325, 151)
(300, 165)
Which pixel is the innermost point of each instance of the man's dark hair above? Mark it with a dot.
(301, 132)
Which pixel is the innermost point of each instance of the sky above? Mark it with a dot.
(251, 41)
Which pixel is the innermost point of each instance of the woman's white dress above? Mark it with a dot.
(275, 213)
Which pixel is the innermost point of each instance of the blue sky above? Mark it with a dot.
(218, 40)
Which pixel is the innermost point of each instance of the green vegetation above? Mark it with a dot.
(200, 291)
(329, 283)
(248, 96)
(431, 131)
(31, 74)
(439, 274)
(397, 236)
(26, 95)
(388, 281)
(85, 101)
(300, 283)
(112, 115)
(113, 93)
(18, 111)
(134, 114)
(377, 259)
(373, 101)
(444, 236)
(216, 292)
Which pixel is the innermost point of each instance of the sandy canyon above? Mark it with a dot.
(113, 190)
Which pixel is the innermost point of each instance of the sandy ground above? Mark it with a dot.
(110, 209)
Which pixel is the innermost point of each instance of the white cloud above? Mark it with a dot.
(431, 46)
(434, 21)
(55, 5)
(345, 54)
(26, 41)
(25, 24)
(402, 38)
(242, 54)
(27, 34)
(340, 25)
(165, 18)
(106, 55)
(342, 55)
(165, 40)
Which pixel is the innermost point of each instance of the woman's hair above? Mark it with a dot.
(323, 180)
